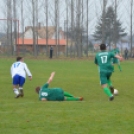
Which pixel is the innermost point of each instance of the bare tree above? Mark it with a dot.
(131, 27)
(103, 21)
(36, 14)
(34, 28)
(82, 30)
(9, 25)
(87, 29)
(115, 26)
(77, 15)
(78, 18)
(22, 25)
(46, 7)
(15, 25)
(66, 26)
(57, 26)
(72, 27)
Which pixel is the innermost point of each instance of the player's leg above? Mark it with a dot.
(21, 91)
(73, 98)
(15, 90)
(114, 61)
(107, 92)
(119, 66)
(111, 89)
(15, 85)
(109, 82)
(67, 94)
(103, 79)
(21, 83)
(70, 97)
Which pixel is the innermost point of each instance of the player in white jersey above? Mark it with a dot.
(19, 70)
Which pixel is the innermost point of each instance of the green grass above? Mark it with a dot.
(95, 115)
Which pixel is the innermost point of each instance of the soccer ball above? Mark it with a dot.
(116, 92)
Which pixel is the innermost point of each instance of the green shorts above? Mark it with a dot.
(60, 95)
(57, 94)
(104, 77)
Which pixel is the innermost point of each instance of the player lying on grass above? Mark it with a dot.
(54, 94)
(103, 60)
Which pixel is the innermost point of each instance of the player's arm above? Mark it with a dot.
(95, 61)
(28, 72)
(119, 53)
(119, 57)
(51, 77)
(11, 70)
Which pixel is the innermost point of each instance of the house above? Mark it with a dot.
(44, 40)
(42, 45)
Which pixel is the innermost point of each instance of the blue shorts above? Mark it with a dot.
(18, 80)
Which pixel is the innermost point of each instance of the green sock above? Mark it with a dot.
(109, 83)
(119, 67)
(67, 94)
(107, 91)
(113, 68)
(71, 99)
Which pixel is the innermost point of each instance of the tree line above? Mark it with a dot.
(76, 19)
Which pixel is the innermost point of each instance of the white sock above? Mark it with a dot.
(20, 88)
(16, 91)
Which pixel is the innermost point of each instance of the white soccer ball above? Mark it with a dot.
(116, 92)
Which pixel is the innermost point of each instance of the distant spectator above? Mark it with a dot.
(126, 54)
(133, 54)
(51, 52)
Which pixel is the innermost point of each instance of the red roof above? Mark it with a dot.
(42, 41)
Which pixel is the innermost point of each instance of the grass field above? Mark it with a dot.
(94, 115)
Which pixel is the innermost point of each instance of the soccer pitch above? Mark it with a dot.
(94, 115)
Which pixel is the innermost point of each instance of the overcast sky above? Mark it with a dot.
(95, 10)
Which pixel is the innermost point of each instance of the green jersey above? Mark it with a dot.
(103, 60)
(115, 51)
(51, 94)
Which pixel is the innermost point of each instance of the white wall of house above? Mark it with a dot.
(60, 36)
(29, 34)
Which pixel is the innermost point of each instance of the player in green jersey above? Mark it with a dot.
(103, 60)
(115, 50)
(54, 94)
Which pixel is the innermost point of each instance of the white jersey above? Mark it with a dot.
(20, 68)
